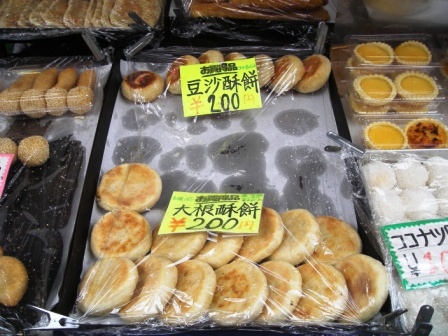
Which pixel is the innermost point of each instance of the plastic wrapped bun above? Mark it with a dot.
(157, 278)
(191, 300)
(108, 284)
(241, 293)
(324, 291)
(367, 283)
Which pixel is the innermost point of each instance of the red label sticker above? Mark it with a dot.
(5, 163)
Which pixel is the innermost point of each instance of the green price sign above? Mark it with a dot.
(228, 213)
(220, 87)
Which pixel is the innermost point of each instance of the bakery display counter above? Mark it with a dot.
(51, 150)
(281, 150)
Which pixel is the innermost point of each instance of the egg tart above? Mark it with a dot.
(375, 89)
(426, 133)
(412, 53)
(385, 136)
(415, 91)
(360, 108)
(373, 53)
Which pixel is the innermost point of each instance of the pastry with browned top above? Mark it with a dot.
(426, 133)
(142, 86)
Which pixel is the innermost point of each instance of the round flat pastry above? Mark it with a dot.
(172, 80)
(130, 186)
(219, 249)
(142, 86)
(373, 53)
(8, 146)
(285, 291)
(178, 246)
(375, 89)
(241, 292)
(157, 278)
(108, 284)
(13, 280)
(384, 135)
(233, 56)
(211, 56)
(324, 294)
(412, 53)
(302, 235)
(121, 233)
(270, 235)
(339, 240)
(265, 68)
(426, 133)
(368, 286)
(317, 71)
(196, 284)
(288, 70)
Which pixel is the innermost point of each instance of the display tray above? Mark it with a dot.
(228, 153)
(401, 105)
(40, 204)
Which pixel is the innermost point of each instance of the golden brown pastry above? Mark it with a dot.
(288, 70)
(56, 97)
(172, 80)
(13, 280)
(80, 98)
(142, 86)
(33, 151)
(317, 71)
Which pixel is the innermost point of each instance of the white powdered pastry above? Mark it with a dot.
(441, 195)
(438, 171)
(379, 175)
(387, 206)
(410, 174)
(419, 204)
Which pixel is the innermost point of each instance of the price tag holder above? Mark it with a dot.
(5, 164)
(220, 87)
(226, 213)
(419, 252)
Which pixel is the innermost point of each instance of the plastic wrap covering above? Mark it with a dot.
(42, 191)
(247, 24)
(403, 187)
(393, 91)
(26, 20)
(301, 272)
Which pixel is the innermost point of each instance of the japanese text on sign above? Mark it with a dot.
(419, 251)
(220, 87)
(5, 163)
(229, 213)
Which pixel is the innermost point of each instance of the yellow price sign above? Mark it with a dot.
(220, 87)
(227, 213)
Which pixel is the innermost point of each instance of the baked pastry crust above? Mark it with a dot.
(373, 53)
(142, 86)
(426, 133)
(416, 86)
(412, 53)
(384, 135)
(375, 89)
(361, 108)
(317, 71)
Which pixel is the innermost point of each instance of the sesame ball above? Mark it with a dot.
(7, 146)
(33, 151)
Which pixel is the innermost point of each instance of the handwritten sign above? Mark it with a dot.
(220, 87)
(5, 164)
(419, 251)
(228, 213)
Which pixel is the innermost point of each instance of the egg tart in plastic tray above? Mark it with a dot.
(389, 50)
(419, 133)
(47, 92)
(395, 90)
